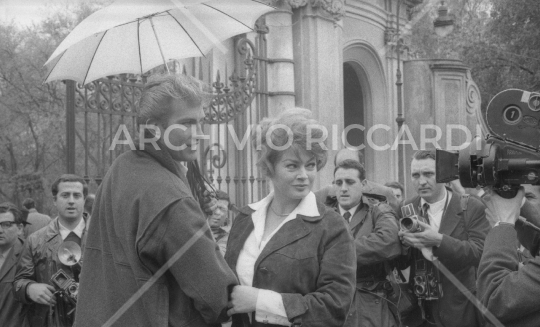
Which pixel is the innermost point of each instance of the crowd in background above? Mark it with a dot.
(144, 252)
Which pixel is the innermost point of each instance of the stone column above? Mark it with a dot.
(280, 63)
(442, 102)
(318, 70)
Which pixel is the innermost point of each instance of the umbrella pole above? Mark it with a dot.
(159, 45)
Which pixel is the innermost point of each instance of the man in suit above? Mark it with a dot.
(375, 233)
(511, 295)
(35, 220)
(11, 227)
(455, 235)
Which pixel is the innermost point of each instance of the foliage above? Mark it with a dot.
(32, 128)
(498, 39)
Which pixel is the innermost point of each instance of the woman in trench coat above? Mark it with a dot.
(294, 257)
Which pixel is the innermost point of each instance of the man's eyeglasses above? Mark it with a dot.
(7, 224)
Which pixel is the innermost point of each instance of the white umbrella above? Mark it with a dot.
(134, 36)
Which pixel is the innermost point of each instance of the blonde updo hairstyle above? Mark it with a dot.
(276, 132)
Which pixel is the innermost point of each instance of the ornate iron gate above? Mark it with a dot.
(95, 112)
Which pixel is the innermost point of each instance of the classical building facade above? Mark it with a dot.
(337, 58)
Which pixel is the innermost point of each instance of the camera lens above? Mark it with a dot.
(72, 289)
(534, 103)
(408, 224)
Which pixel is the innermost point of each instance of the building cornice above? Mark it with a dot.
(333, 8)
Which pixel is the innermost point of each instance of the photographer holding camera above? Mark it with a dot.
(39, 261)
(454, 234)
(511, 295)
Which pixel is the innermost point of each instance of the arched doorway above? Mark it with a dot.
(353, 103)
(363, 63)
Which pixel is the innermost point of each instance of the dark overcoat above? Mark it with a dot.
(464, 233)
(511, 295)
(310, 261)
(145, 220)
(12, 312)
(376, 241)
(38, 263)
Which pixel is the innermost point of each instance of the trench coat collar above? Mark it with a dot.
(289, 233)
(304, 215)
(53, 232)
(13, 257)
(305, 209)
(359, 215)
(164, 158)
(448, 223)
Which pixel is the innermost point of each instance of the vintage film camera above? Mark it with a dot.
(508, 156)
(427, 283)
(66, 286)
(69, 254)
(409, 222)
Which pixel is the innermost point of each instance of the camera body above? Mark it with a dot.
(409, 220)
(426, 281)
(65, 285)
(508, 156)
(427, 284)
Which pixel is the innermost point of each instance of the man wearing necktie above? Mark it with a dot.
(454, 234)
(39, 259)
(375, 233)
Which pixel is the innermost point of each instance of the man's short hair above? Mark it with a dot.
(69, 178)
(161, 89)
(19, 216)
(352, 164)
(424, 154)
(29, 203)
(396, 185)
(359, 153)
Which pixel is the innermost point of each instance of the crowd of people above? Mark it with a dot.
(150, 255)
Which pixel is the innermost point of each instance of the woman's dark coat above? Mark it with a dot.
(311, 261)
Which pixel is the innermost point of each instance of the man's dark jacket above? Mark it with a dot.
(38, 263)
(376, 241)
(12, 311)
(460, 251)
(143, 216)
(310, 261)
(511, 295)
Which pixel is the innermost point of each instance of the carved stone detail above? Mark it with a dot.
(473, 95)
(335, 8)
(297, 3)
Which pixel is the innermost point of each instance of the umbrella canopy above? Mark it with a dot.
(134, 36)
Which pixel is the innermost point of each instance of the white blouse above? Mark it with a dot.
(269, 308)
